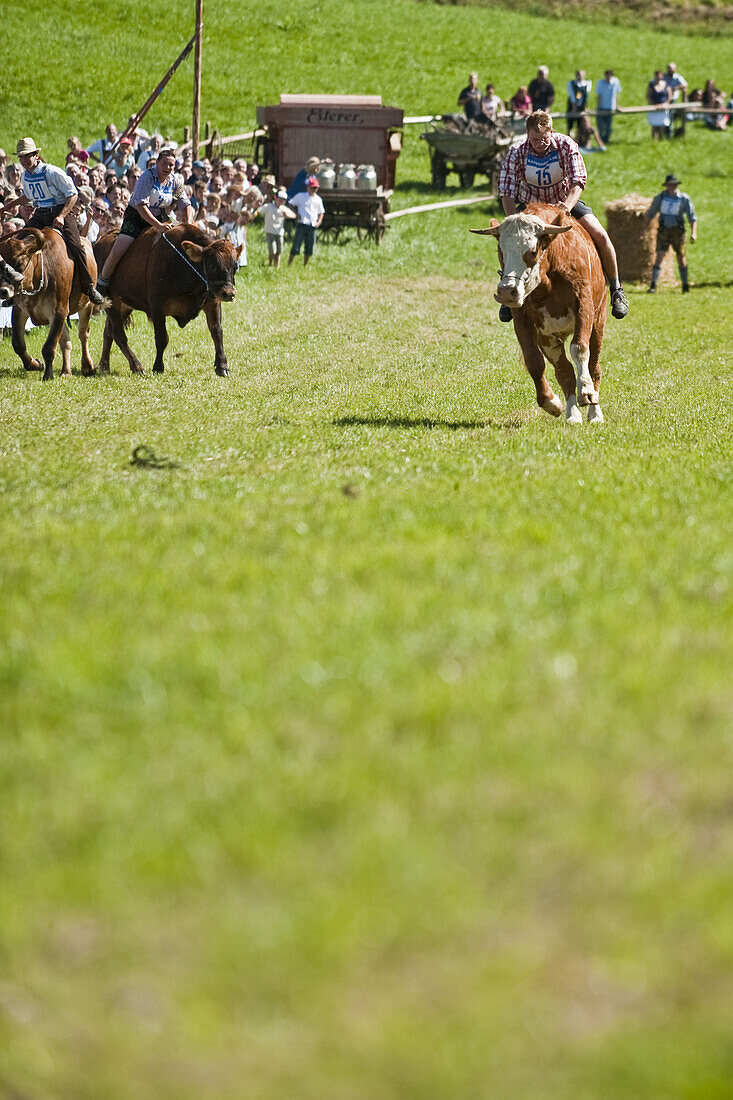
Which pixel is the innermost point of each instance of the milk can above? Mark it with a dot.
(346, 177)
(327, 175)
(366, 177)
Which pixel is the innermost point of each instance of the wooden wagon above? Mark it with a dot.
(360, 210)
(467, 150)
(346, 129)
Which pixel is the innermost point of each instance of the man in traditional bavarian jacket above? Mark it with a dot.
(53, 195)
(673, 206)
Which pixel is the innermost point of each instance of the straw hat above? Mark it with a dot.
(26, 146)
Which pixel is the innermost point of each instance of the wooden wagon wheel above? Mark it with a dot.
(330, 234)
(438, 171)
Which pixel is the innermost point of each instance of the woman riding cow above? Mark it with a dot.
(549, 167)
(156, 192)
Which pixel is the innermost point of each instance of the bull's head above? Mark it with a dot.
(16, 250)
(523, 240)
(217, 262)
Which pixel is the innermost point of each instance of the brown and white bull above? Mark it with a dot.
(552, 279)
(47, 293)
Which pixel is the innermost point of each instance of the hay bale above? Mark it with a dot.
(635, 240)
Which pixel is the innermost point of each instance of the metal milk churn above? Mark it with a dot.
(327, 175)
(366, 177)
(346, 177)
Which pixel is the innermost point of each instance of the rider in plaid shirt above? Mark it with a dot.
(514, 176)
(548, 167)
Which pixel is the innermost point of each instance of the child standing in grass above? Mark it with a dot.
(275, 213)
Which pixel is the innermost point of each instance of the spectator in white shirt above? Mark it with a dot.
(310, 210)
(275, 213)
(492, 105)
(100, 149)
(151, 150)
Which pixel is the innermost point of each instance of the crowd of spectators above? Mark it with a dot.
(665, 88)
(226, 195)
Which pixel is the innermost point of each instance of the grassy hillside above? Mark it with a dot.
(702, 17)
(416, 55)
(378, 743)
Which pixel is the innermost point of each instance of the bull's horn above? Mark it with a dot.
(33, 239)
(492, 231)
(553, 230)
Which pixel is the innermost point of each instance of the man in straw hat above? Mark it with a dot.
(673, 206)
(298, 185)
(53, 195)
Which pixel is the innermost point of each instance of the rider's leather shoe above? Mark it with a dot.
(95, 297)
(505, 314)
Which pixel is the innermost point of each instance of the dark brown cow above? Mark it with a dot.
(553, 281)
(49, 292)
(195, 274)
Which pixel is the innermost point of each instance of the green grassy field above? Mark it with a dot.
(379, 744)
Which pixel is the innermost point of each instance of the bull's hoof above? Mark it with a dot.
(33, 365)
(552, 405)
(88, 372)
(223, 372)
(48, 376)
(572, 412)
(136, 370)
(158, 368)
(595, 416)
(587, 395)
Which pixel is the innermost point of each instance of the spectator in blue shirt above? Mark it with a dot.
(608, 90)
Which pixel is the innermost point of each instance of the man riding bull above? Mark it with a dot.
(549, 167)
(157, 190)
(53, 195)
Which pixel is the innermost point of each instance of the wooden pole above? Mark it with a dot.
(137, 118)
(196, 128)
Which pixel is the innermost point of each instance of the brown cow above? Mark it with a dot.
(48, 293)
(176, 277)
(553, 281)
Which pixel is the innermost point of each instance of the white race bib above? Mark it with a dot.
(543, 171)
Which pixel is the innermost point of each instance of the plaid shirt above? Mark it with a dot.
(513, 179)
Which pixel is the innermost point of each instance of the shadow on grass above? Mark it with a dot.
(421, 187)
(408, 422)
